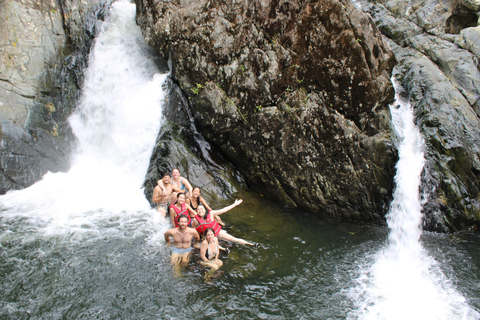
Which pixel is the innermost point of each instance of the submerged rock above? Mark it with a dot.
(294, 94)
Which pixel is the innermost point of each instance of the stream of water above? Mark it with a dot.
(86, 245)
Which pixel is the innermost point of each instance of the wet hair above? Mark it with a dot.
(176, 169)
(209, 229)
(197, 188)
(180, 193)
(182, 216)
(206, 211)
(166, 173)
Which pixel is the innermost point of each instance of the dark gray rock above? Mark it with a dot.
(439, 70)
(294, 94)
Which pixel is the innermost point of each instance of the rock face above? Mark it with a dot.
(436, 44)
(293, 93)
(180, 145)
(44, 47)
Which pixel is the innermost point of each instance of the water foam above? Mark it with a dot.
(116, 123)
(404, 282)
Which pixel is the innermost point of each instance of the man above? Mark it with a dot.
(182, 239)
(162, 194)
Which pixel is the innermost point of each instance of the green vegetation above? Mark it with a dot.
(197, 89)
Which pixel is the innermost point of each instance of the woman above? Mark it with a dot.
(209, 250)
(204, 220)
(181, 182)
(197, 199)
(178, 208)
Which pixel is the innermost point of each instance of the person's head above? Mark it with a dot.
(209, 234)
(175, 173)
(183, 221)
(166, 178)
(201, 210)
(196, 192)
(180, 197)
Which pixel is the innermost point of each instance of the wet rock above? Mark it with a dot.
(44, 47)
(294, 94)
(438, 68)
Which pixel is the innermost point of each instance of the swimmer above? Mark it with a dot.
(182, 240)
(196, 199)
(181, 183)
(209, 251)
(180, 207)
(204, 220)
(162, 193)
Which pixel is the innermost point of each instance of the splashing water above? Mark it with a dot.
(116, 123)
(404, 282)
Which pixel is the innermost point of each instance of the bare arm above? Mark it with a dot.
(205, 203)
(172, 215)
(161, 185)
(167, 235)
(193, 213)
(230, 207)
(157, 194)
(176, 189)
(188, 186)
(203, 250)
(218, 251)
(195, 234)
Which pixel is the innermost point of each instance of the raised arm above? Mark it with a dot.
(230, 207)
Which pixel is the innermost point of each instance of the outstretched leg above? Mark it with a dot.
(224, 235)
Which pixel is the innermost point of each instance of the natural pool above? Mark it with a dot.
(116, 265)
(85, 245)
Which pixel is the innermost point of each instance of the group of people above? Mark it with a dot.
(192, 219)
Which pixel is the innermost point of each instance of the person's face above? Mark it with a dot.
(196, 192)
(166, 180)
(175, 173)
(201, 211)
(183, 223)
(181, 199)
(209, 236)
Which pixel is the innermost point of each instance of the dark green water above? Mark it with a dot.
(61, 257)
(117, 267)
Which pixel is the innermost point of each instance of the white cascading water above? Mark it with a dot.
(404, 282)
(116, 124)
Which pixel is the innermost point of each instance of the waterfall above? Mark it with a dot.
(116, 123)
(403, 281)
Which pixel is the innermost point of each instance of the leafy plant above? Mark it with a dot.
(197, 89)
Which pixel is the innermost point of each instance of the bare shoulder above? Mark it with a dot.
(171, 231)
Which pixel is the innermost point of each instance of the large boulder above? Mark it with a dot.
(294, 94)
(436, 45)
